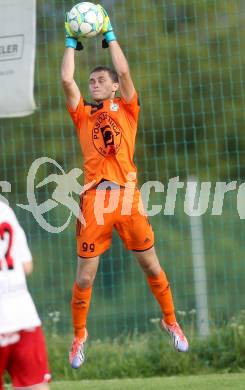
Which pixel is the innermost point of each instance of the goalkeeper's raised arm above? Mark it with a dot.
(70, 87)
(118, 58)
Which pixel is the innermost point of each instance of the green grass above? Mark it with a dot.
(152, 355)
(201, 382)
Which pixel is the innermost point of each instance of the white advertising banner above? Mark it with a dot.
(17, 57)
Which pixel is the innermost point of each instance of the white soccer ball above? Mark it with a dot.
(85, 20)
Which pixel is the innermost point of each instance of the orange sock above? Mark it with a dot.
(80, 305)
(161, 290)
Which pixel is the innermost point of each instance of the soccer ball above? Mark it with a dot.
(85, 20)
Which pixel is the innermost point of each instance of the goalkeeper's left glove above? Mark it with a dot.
(71, 39)
(107, 29)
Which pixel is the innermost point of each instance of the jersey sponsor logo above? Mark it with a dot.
(106, 135)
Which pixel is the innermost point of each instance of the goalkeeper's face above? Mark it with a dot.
(101, 86)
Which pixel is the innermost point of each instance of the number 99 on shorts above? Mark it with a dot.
(88, 247)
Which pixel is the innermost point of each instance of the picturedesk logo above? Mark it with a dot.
(11, 47)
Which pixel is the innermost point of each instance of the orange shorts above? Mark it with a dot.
(106, 209)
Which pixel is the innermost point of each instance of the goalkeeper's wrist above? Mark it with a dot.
(71, 42)
(110, 36)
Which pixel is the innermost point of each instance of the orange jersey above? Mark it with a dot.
(107, 134)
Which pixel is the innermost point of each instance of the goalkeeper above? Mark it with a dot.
(106, 130)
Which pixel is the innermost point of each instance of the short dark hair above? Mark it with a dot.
(112, 73)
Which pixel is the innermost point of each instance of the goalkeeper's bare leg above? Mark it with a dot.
(160, 288)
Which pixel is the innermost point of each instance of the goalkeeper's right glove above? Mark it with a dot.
(71, 39)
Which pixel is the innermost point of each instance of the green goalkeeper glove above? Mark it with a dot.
(71, 39)
(107, 29)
